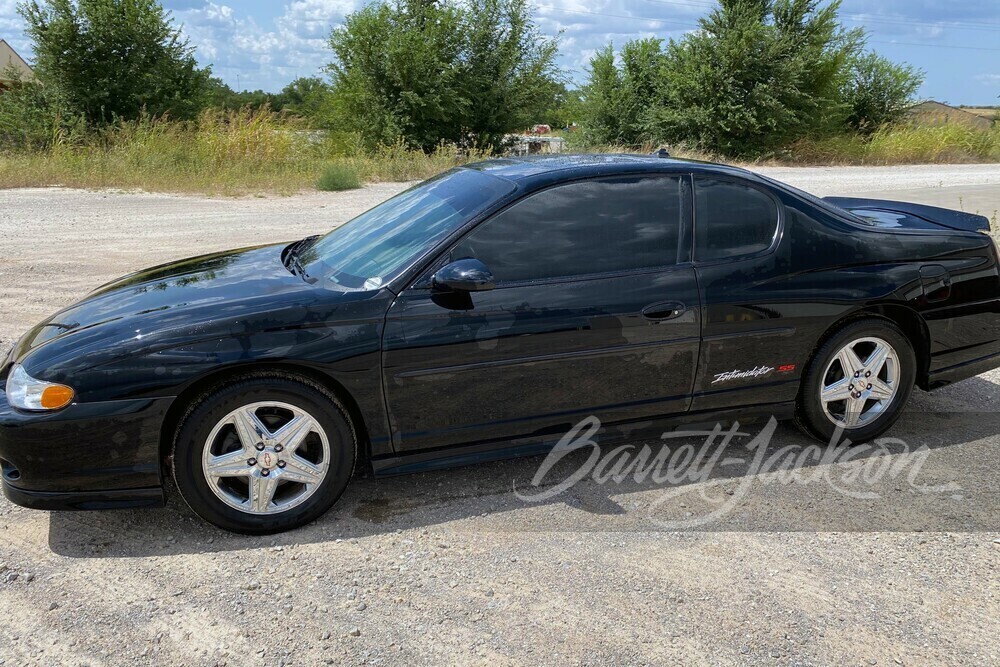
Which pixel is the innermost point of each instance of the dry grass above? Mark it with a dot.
(243, 152)
(231, 153)
(943, 144)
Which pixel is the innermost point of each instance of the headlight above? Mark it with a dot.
(26, 393)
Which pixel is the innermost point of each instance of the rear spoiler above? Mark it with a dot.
(943, 217)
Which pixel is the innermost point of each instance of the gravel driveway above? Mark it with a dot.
(453, 568)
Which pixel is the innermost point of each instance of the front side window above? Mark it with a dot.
(731, 219)
(596, 226)
(376, 246)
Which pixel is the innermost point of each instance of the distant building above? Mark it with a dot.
(8, 59)
(931, 113)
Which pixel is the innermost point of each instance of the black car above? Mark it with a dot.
(483, 313)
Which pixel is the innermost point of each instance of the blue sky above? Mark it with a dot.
(264, 44)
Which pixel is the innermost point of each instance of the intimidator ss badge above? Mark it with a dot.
(755, 372)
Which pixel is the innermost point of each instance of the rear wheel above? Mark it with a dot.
(265, 454)
(859, 380)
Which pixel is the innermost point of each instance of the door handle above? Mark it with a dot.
(661, 312)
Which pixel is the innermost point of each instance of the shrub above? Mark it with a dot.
(114, 59)
(338, 177)
(35, 117)
(757, 75)
(879, 91)
(462, 72)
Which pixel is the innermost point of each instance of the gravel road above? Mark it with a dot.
(743, 564)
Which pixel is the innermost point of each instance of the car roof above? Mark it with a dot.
(549, 168)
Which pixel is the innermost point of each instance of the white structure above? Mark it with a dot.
(528, 144)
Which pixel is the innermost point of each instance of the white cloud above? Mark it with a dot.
(586, 26)
(247, 55)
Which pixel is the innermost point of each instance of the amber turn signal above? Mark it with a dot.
(56, 396)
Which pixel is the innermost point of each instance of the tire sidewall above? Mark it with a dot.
(811, 407)
(193, 435)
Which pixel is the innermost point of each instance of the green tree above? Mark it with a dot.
(642, 70)
(34, 117)
(221, 96)
(602, 100)
(428, 72)
(396, 73)
(879, 91)
(308, 97)
(115, 58)
(758, 74)
(508, 70)
(618, 99)
(567, 107)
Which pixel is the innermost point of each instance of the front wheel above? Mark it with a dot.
(264, 454)
(859, 381)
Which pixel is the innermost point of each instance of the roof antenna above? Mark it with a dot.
(661, 153)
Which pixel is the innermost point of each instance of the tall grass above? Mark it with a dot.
(905, 144)
(242, 152)
(231, 153)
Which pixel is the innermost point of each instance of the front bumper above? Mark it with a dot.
(87, 456)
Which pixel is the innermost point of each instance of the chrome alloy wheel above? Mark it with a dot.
(860, 382)
(266, 457)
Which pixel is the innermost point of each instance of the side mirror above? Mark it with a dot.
(464, 275)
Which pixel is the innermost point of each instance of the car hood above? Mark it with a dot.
(196, 294)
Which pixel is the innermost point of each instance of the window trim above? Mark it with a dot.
(686, 229)
(779, 230)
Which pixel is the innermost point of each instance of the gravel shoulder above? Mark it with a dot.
(452, 568)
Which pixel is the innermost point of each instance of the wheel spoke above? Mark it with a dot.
(233, 464)
(297, 469)
(248, 428)
(880, 390)
(852, 415)
(838, 391)
(876, 360)
(261, 492)
(292, 434)
(849, 361)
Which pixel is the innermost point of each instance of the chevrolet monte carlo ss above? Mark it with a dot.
(482, 314)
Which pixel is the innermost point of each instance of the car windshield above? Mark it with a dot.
(378, 245)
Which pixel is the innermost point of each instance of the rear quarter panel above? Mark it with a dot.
(772, 311)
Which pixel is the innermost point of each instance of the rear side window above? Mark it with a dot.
(731, 219)
(597, 226)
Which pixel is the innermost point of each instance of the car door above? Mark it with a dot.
(751, 350)
(595, 312)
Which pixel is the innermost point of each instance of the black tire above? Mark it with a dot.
(207, 411)
(811, 414)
